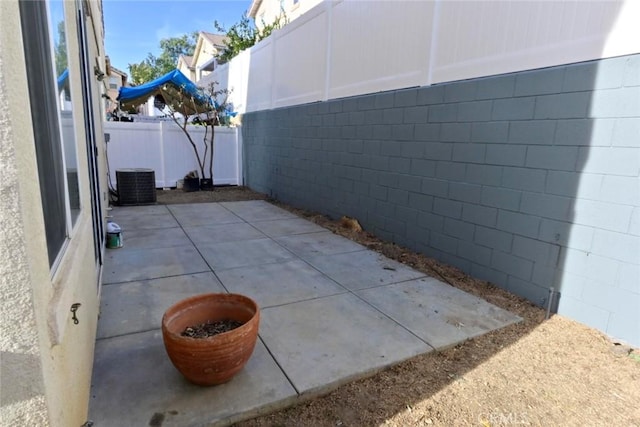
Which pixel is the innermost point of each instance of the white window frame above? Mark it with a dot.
(47, 125)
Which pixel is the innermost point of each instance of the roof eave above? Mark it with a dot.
(253, 9)
(196, 51)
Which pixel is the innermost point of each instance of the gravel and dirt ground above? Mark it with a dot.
(219, 194)
(553, 372)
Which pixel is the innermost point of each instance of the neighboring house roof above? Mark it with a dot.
(217, 40)
(187, 60)
(115, 70)
(118, 73)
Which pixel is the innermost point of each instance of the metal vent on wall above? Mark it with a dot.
(136, 186)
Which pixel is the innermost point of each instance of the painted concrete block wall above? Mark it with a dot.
(529, 180)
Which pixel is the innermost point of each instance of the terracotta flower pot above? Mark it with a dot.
(216, 359)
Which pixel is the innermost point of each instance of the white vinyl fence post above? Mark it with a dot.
(274, 84)
(238, 142)
(327, 61)
(435, 27)
(162, 166)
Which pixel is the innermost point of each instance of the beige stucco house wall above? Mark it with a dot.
(185, 67)
(203, 60)
(114, 81)
(46, 359)
(208, 47)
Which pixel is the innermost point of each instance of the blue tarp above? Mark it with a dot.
(62, 79)
(173, 80)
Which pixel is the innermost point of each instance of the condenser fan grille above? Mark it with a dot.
(136, 186)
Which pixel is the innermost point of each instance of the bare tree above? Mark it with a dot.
(208, 108)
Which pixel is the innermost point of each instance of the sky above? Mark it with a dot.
(135, 28)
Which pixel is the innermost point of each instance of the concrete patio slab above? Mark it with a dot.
(130, 222)
(131, 307)
(211, 209)
(322, 243)
(203, 214)
(243, 253)
(258, 210)
(436, 312)
(286, 227)
(135, 384)
(280, 283)
(223, 233)
(122, 211)
(363, 269)
(331, 311)
(125, 265)
(154, 238)
(327, 341)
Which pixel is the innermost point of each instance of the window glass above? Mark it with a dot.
(48, 77)
(58, 30)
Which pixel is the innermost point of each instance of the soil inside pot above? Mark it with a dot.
(209, 329)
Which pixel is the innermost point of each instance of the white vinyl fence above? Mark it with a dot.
(347, 47)
(163, 147)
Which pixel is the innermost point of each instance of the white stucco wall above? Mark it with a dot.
(46, 359)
